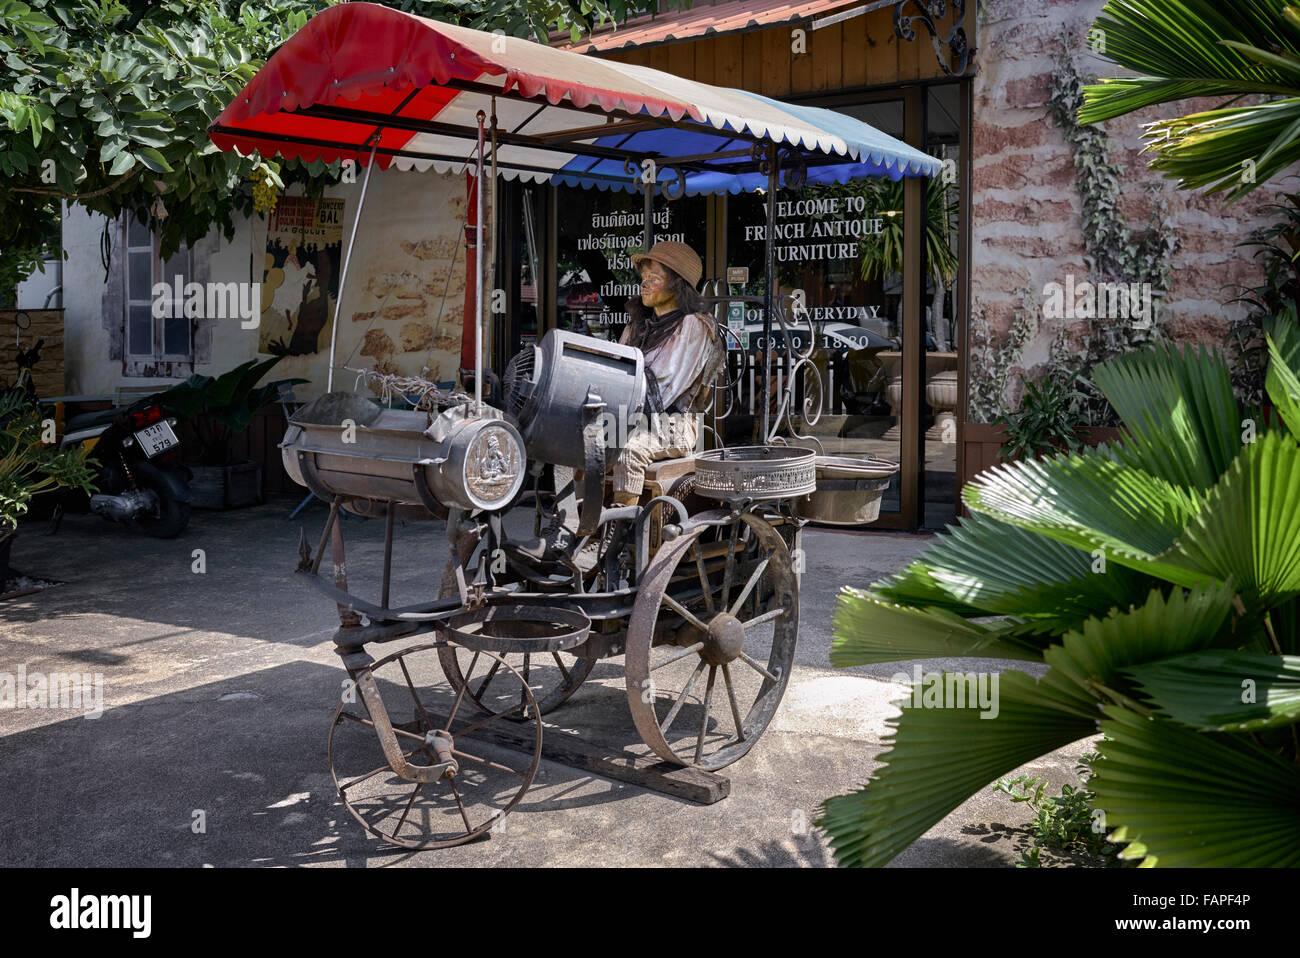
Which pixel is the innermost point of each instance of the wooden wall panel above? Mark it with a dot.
(861, 51)
(853, 51)
(752, 61)
(727, 53)
(909, 57)
(881, 50)
(659, 56)
(776, 63)
(681, 61)
(828, 64)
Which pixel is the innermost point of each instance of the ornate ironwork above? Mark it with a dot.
(671, 187)
(796, 169)
(930, 12)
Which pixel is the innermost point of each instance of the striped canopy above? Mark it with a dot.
(360, 76)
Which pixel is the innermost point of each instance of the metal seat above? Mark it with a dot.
(88, 420)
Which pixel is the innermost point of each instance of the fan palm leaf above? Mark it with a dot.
(1179, 797)
(1201, 48)
(1224, 691)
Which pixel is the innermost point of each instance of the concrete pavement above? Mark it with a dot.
(218, 690)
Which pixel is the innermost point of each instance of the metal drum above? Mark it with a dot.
(555, 387)
(343, 444)
(756, 472)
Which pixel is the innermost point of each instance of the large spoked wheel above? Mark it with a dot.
(434, 726)
(711, 642)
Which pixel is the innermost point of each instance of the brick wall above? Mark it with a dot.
(46, 324)
(1026, 207)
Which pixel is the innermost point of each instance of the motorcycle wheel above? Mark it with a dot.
(173, 516)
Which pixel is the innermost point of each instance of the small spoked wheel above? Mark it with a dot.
(439, 781)
(711, 642)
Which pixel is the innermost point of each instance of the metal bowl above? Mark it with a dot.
(756, 472)
(848, 490)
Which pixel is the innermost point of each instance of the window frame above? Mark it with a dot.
(157, 363)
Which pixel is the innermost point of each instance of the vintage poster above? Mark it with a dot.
(304, 243)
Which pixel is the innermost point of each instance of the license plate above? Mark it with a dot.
(156, 438)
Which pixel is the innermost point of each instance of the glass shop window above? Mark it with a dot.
(598, 233)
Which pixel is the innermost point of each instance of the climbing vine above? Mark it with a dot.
(995, 356)
(1115, 252)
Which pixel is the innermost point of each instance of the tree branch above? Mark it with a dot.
(81, 196)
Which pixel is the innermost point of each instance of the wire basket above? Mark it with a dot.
(756, 472)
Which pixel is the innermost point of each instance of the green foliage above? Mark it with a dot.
(19, 262)
(107, 104)
(1158, 579)
(1116, 252)
(216, 409)
(1047, 420)
(882, 253)
(1066, 823)
(1277, 249)
(1204, 48)
(28, 465)
(993, 357)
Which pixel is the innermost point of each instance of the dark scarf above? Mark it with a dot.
(647, 334)
(653, 331)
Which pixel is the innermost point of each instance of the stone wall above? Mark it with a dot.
(1026, 206)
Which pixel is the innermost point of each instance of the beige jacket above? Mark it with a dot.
(687, 363)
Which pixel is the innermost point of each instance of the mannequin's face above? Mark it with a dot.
(655, 292)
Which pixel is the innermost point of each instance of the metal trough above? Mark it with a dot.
(849, 490)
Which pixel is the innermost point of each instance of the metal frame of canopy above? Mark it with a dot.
(302, 103)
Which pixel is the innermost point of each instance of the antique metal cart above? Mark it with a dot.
(696, 586)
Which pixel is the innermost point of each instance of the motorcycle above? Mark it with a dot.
(141, 479)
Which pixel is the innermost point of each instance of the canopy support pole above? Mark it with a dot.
(347, 260)
(648, 187)
(769, 285)
(478, 271)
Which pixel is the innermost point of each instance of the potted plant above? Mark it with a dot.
(30, 465)
(1047, 421)
(213, 411)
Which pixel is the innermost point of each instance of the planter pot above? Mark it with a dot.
(940, 378)
(226, 487)
(849, 490)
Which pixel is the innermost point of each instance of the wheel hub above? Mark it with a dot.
(724, 640)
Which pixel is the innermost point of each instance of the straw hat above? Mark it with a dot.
(678, 257)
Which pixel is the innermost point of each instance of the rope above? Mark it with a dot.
(428, 395)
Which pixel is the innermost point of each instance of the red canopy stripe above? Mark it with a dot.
(365, 56)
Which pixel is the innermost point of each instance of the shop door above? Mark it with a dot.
(887, 361)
